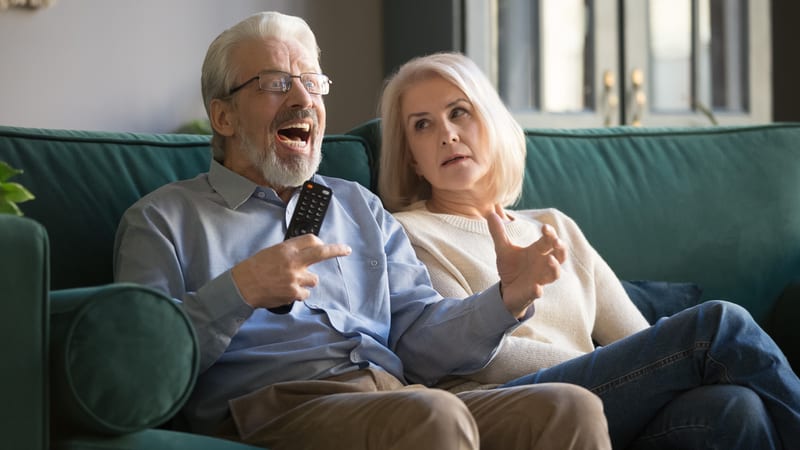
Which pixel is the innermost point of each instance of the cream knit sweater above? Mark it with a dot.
(587, 302)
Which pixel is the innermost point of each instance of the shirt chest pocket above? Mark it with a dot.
(356, 284)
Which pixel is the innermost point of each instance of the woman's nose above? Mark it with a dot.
(450, 136)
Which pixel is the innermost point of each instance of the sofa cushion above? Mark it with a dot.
(123, 358)
(657, 299)
(346, 157)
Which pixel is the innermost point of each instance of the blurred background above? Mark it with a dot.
(135, 66)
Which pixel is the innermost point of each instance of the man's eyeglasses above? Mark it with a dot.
(277, 81)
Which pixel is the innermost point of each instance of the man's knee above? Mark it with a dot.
(548, 415)
(436, 417)
(561, 398)
(577, 419)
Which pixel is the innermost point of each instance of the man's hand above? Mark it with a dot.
(525, 270)
(279, 275)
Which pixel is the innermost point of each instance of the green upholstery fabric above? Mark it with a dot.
(714, 206)
(24, 331)
(346, 157)
(85, 180)
(370, 131)
(124, 358)
(149, 440)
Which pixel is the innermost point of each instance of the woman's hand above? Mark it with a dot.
(525, 270)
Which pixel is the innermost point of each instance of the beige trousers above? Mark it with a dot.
(370, 409)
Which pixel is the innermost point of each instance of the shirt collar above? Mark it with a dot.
(234, 188)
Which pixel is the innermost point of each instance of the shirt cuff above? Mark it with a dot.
(222, 299)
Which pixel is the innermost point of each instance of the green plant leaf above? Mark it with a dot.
(15, 192)
(7, 171)
(7, 207)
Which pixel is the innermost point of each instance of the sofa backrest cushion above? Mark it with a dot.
(715, 206)
(84, 180)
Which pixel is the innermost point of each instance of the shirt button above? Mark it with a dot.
(261, 194)
(373, 263)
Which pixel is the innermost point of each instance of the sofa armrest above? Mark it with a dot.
(24, 283)
(123, 358)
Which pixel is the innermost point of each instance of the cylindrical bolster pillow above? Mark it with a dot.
(123, 358)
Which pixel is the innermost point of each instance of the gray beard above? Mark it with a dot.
(281, 173)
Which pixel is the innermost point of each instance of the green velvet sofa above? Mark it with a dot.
(90, 364)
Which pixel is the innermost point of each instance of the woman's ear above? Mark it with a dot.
(222, 117)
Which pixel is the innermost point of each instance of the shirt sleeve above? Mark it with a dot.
(145, 254)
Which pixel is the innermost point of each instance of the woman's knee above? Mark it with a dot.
(726, 310)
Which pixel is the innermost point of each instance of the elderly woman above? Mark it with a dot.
(452, 162)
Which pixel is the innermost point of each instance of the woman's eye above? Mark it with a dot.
(420, 124)
(457, 112)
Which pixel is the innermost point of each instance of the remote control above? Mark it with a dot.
(310, 209)
(307, 218)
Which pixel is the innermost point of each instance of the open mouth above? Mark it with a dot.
(452, 160)
(296, 134)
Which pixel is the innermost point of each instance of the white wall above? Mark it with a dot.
(135, 65)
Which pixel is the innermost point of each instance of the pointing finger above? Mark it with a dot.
(313, 255)
(497, 230)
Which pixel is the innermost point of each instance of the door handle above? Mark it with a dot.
(611, 100)
(638, 97)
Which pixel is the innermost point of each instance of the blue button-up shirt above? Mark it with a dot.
(374, 307)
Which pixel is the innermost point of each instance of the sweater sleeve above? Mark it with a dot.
(441, 278)
(520, 356)
(617, 316)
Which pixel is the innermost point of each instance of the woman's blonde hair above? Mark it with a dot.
(398, 183)
(219, 74)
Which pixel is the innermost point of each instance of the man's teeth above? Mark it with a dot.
(302, 126)
(296, 133)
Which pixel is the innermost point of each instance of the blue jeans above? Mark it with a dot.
(707, 377)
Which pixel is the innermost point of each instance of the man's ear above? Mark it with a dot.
(222, 117)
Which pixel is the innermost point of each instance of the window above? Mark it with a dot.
(683, 62)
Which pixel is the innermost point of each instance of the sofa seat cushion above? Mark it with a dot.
(123, 358)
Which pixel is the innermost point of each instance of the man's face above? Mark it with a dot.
(277, 137)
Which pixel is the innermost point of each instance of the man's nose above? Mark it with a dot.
(298, 96)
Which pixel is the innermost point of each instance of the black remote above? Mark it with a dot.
(310, 209)
(307, 218)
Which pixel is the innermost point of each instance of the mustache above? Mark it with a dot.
(295, 114)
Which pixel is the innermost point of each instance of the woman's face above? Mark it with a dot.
(446, 139)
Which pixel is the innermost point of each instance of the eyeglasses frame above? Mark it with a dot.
(289, 85)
